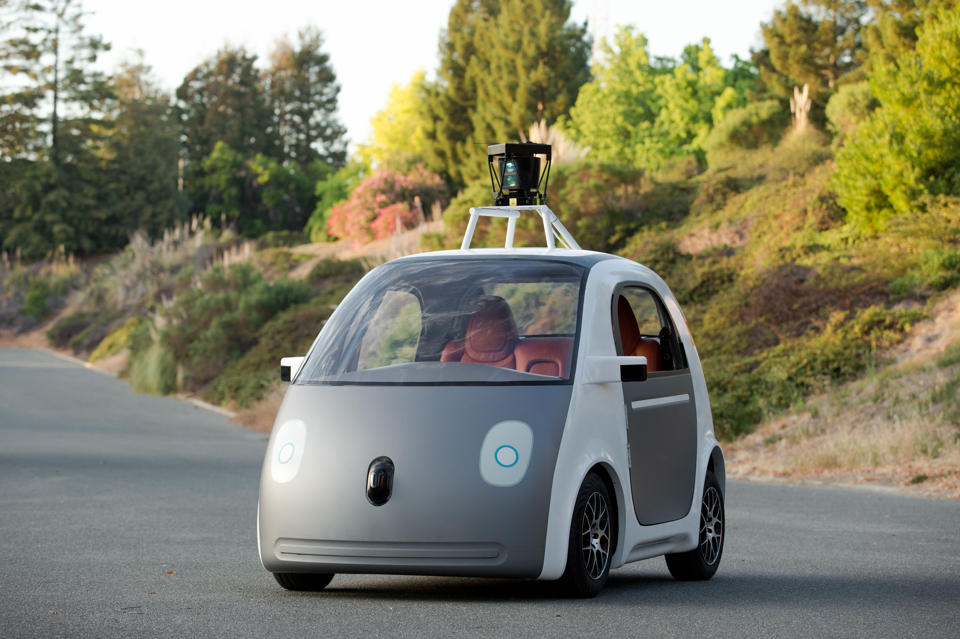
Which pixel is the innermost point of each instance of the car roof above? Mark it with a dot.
(583, 258)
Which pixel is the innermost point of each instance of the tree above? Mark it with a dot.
(452, 99)
(398, 138)
(893, 29)
(303, 94)
(818, 44)
(641, 113)
(527, 71)
(54, 113)
(223, 99)
(500, 72)
(142, 185)
(909, 147)
(615, 112)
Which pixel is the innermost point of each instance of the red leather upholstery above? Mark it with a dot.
(545, 355)
(633, 343)
(649, 348)
(491, 334)
(629, 330)
(453, 351)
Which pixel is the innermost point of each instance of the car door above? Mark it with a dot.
(661, 410)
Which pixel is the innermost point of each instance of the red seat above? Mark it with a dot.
(491, 336)
(632, 341)
(545, 355)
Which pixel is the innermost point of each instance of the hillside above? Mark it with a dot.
(829, 353)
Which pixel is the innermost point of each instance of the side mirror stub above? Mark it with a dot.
(633, 372)
(284, 373)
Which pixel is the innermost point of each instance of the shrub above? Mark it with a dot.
(910, 146)
(750, 127)
(117, 340)
(35, 302)
(245, 380)
(848, 107)
(382, 201)
(211, 325)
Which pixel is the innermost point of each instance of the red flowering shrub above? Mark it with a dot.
(383, 200)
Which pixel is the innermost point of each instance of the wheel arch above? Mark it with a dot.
(607, 475)
(716, 465)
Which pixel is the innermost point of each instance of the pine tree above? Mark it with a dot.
(142, 185)
(453, 98)
(530, 67)
(303, 94)
(54, 113)
(224, 100)
(817, 44)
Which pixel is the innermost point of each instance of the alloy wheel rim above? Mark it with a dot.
(711, 526)
(595, 535)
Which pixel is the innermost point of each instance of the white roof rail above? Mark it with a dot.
(553, 228)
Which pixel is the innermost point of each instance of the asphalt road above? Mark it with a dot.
(128, 515)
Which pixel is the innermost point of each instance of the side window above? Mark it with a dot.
(393, 333)
(645, 329)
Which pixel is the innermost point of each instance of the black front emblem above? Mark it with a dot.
(380, 481)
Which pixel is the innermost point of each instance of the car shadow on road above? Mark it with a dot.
(783, 590)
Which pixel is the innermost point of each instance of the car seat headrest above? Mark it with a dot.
(629, 330)
(491, 330)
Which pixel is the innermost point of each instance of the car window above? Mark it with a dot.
(393, 333)
(645, 329)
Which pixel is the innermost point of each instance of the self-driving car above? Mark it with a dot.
(512, 412)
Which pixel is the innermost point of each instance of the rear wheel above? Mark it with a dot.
(591, 540)
(702, 562)
(303, 581)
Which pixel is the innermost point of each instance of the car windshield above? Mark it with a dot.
(427, 321)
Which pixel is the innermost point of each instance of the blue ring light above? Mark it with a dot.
(516, 456)
(286, 453)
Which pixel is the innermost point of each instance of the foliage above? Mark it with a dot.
(525, 72)
(642, 113)
(329, 191)
(398, 137)
(141, 186)
(498, 76)
(817, 43)
(749, 127)
(257, 194)
(116, 340)
(893, 29)
(848, 107)
(52, 131)
(244, 381)
(208, 326)
(384, 200)
(909, 146)
(303, 90)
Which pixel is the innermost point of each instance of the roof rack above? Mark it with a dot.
(553, 228)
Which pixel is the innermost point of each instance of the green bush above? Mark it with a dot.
(68, 327)
(245, 380)
(153, 370)
(209, 326)
(848, 107)
(910, 146)
(750, 127)
(35, 302)
(117, 340)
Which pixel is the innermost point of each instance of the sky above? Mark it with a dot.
(374, 44)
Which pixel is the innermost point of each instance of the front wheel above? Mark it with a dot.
(303, 581)
(702, 562)
(591, 540)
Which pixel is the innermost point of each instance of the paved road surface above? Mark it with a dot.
(128, 515)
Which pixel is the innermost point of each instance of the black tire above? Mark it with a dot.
(702, 562)
(591, 546)
(303, 581)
